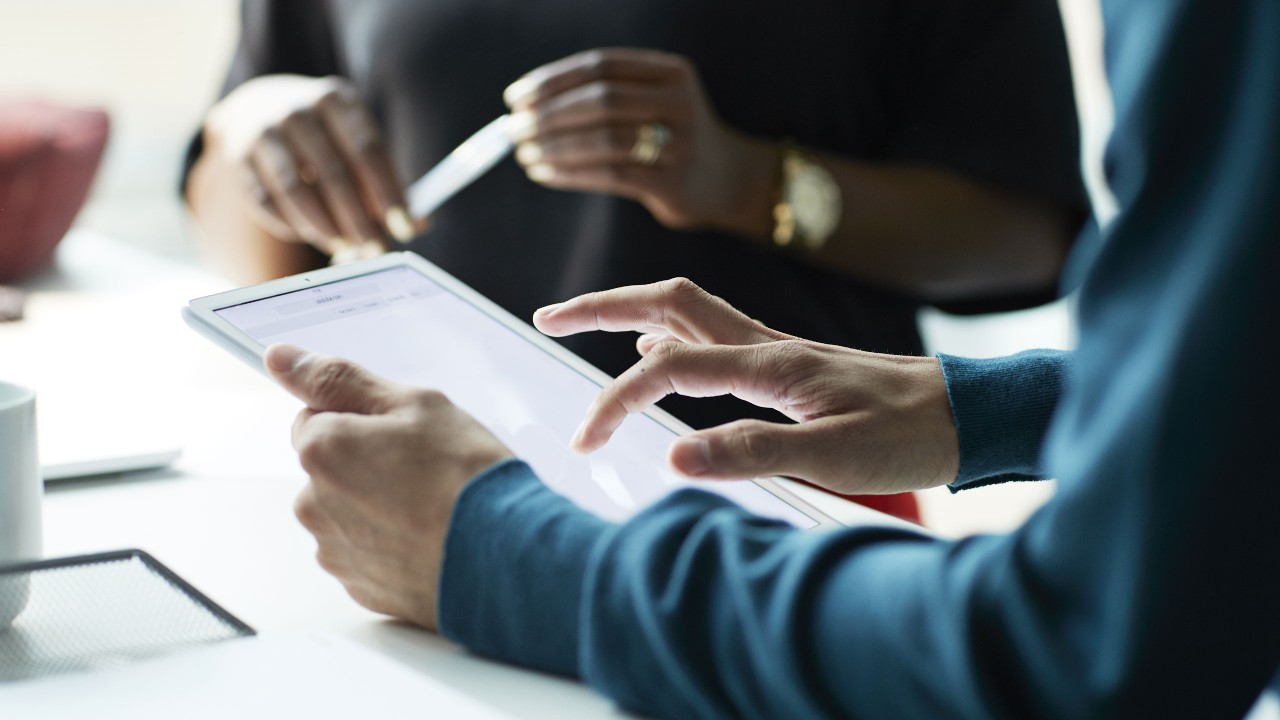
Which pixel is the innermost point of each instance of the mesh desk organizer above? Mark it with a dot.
(99, 611)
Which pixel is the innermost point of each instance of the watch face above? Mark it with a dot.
(815, 200)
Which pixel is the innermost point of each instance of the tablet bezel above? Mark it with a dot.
(201, 315)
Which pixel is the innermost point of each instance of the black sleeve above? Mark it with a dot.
(276, 36)
(985, 89)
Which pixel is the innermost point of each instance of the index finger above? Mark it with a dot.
(591, 65)
(674, 368)
(675, 307)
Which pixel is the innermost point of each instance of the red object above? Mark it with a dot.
(49, 153)
(900, 505)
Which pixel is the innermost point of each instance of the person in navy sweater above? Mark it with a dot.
(1145, 588)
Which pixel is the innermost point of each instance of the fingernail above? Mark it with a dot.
(520, 92)
(344, 253)
(399, 224)
(695, 455)
(541, 172)
(371, 249)
(283, 357)
(523, 125)
(579, 437)
(547, 310)
(528, 153)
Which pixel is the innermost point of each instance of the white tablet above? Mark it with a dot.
(408, 320)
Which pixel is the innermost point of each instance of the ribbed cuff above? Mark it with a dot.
(1002, 408)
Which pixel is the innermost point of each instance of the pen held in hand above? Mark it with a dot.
(473, 158)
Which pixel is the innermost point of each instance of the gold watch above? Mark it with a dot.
(808, 207)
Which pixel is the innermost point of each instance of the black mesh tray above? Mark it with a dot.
(102, 610)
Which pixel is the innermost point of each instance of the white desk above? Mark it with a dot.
(103, 345)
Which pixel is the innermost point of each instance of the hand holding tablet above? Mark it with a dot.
(408, 321)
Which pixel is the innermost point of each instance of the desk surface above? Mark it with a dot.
(104, 347)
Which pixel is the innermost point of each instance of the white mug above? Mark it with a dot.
(21, 489)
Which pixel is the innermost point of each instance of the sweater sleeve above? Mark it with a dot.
(1002, 407)
(514, 562)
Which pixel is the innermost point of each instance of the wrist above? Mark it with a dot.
(753, 176)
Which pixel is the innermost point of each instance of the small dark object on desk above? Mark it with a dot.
(11, 303)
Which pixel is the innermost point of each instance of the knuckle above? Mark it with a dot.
(430, 399)
(328, 440)
(336, 94)
(270, 137)
(681, 288)
(328, 561)
(316, 453)
(595, 63)
(337, 86)
(786, 358)
(686, 293)
(605, 95)
(367, 598)
(307, 511)
(666, 354)
(330, 378)
(296, 119)
(758, 447)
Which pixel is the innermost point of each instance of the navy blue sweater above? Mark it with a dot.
(1146, 588)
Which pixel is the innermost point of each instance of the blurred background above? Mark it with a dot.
(155, 66)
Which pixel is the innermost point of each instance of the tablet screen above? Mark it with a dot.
(404, 326)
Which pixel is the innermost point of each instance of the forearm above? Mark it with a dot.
(696, 609)
(512, 577)
(926, 231)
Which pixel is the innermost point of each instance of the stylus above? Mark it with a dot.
(460, 168)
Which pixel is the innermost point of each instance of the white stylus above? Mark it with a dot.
(460, 168)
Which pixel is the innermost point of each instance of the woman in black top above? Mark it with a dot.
(948, 127)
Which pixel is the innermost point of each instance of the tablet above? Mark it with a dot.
(408, 320)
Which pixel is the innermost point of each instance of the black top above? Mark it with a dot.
(979, 86)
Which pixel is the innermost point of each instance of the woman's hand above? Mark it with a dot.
(867, 423)
(312, 164)
(637, 123)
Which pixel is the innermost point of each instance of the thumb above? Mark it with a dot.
(328, 383)
(743, 449)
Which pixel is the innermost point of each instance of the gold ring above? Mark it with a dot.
(651, 138)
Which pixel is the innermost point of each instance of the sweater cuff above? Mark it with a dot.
(514, 560)
(1002, 408)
